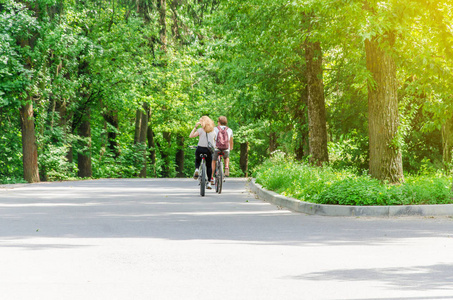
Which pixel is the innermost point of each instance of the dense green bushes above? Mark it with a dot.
(10, 150)
(345, 187)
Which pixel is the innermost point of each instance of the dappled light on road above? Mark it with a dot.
(110, 236)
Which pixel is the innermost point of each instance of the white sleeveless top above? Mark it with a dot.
(203, 139)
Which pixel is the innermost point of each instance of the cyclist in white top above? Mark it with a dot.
(222, 124)
(206, 133)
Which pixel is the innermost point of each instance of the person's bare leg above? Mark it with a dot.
(213, 169)
(227, 166)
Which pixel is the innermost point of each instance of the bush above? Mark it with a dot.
(127, 165)
(54, 165)
(327, 185)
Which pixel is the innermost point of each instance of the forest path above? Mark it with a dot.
(158, 239)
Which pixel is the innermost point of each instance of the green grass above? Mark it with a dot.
(345, 187)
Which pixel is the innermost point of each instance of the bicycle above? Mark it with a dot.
(219, 176)
(202, 177)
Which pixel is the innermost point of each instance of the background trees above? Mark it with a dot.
(112, 88)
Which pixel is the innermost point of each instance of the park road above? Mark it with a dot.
(137, 239)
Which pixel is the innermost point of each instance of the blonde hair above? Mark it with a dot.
(207, 124)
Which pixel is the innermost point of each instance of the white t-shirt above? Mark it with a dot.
(203, 138)
(229, 131)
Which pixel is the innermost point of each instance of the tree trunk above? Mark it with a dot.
(179, 159)
(84, 157)
(447, 144)
(29, 147)
(138, 125)
(244, 160)
(143, 136)
(141, 128)
(152, 148)
(317, 127)
(383, 117)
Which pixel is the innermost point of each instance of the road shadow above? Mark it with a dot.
(420, 278)
(172, 209)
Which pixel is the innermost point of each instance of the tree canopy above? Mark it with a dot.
(113, 88)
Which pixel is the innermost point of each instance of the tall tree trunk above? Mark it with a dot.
(162, 8)
(138, 125)
(84, 158)
(383, 117)
(29, 147)
(143, 136)
(152, 148)
(244, 160)
(141, 128)
(317, 127)
(447, 144)
(179, 159)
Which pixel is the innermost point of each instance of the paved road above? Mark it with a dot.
(157, 239)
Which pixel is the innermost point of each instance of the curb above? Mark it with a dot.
(347, 210)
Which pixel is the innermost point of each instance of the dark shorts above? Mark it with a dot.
(226, 154)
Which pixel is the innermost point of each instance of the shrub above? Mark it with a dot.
(327, 185)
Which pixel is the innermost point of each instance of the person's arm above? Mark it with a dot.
(231, 143)
(216, 131)
(194, 132)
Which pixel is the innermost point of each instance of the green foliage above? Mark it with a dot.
(346, 187)
(241, 59)
(349, 150)
(127, 165)
(11, 150)
(54, 165)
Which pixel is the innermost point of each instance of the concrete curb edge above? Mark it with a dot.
(348, 211)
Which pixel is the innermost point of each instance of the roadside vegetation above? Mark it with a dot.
(348, 186)
(358, 93)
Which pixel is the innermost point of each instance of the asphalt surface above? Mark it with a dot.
(158, 239)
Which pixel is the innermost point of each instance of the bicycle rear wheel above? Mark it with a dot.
(219, 180)
(216, 176)
(203, 178)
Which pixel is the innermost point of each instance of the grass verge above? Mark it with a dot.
(345, 187)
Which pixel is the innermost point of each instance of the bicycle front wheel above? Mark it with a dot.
(203, 179)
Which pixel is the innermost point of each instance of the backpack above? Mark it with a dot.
(222, 142)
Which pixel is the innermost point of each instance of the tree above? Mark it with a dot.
(29, 147)
(316, 105)
(22, 88)
(339, 82)
(383, 117)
